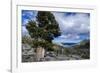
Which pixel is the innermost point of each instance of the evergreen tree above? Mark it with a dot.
(43, 30)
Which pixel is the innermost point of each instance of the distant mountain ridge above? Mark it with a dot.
(68, 44)
(83, 43)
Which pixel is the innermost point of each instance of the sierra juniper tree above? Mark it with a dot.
(43, 30)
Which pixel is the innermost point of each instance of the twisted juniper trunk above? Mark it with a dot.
(40, 52)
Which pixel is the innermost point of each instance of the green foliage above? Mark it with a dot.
(26, 40)
(32, 29)
(43, 30)
(45, 18)
(47, 45)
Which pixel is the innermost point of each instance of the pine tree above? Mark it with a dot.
(43, 30)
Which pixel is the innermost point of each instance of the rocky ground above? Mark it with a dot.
(29, 55)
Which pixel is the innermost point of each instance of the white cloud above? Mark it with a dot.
(71, 26)
(24, 30)
(69, 36)
(77, 23)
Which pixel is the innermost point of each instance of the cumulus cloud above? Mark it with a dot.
(68, 36)
(73, 24)
(77, 23)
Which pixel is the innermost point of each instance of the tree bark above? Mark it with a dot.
(40, 52)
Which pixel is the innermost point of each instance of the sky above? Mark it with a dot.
(74, 26)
